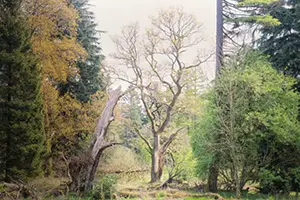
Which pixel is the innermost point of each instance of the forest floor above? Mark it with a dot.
(166, 194)
(139, 189)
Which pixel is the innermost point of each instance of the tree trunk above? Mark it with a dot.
(83, 168)
(219, 37)
(157, 160)
(213, 177)
(237, 181)
(83, 172)
(49, 160)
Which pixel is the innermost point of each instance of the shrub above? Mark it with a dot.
(105, 188)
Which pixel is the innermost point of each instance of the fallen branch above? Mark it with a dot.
(17, 190)
(126, 172)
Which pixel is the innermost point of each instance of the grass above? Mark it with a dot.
(256, 196)
(160, 195)
(134, 188)
(227, 195)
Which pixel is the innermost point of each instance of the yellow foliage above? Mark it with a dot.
(54, 38)
(54, 41)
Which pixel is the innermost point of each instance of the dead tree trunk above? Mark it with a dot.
(83, 168)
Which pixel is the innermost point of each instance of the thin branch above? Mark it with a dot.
(110, 144)
(170, 140)
(145, 140)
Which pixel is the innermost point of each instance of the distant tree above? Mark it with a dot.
(21, 107)
(134, 118)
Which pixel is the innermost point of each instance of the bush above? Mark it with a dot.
(271, 183)
(105, 188)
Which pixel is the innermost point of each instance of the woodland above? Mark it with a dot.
(150, 124)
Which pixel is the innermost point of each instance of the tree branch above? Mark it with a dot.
(110, 144)
(170, 140)
(145, 140)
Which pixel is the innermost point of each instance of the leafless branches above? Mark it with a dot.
(158, 64)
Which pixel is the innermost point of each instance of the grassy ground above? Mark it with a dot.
(137, 188)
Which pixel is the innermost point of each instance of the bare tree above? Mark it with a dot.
(159, 65)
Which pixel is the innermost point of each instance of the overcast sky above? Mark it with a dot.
(111, 15)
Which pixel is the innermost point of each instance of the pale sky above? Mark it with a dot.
(111, 15)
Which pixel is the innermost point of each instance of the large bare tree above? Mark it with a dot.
(159, 63)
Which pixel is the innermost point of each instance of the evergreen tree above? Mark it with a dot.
(282, 42)
(89, 80)
(21, 116)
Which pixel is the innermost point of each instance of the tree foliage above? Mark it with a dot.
(282, 42)
(89, 78)
(54, 41)
(249, 102)
(21, 115)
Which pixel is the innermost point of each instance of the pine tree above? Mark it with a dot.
(21, 116)
(89, 79)
(282, 42)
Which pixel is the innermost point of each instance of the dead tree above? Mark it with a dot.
(83, 167)
(158, 66)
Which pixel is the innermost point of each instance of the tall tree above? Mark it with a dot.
(235, 23)
(249, 101)
(231, 16)
(55, 43)
(282, 42)
(89, 78)
(21, 108)
(160, 73)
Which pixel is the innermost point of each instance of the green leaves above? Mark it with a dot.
(281, 42)
(250, 102)
(256, 2)
(21, 116)
(265, 20)
(89, 80)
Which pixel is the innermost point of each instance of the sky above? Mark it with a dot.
(111, 15)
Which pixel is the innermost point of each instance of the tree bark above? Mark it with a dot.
(83, 168)
(157, 160)
(213, 177)
(83, 172)
(237, 181)
(49, 159)
(219, 37)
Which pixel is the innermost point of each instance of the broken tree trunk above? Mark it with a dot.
(83, 168)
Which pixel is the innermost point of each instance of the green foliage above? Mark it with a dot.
(105, 188)
(248, 103)
(241, 12)
(273, 183)
(266, 20)
(89, 80)
(134, 119)
(256, 2)
(282, 42)
(21, 116)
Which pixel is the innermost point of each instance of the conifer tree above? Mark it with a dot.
(21, 116)
(89, 79)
